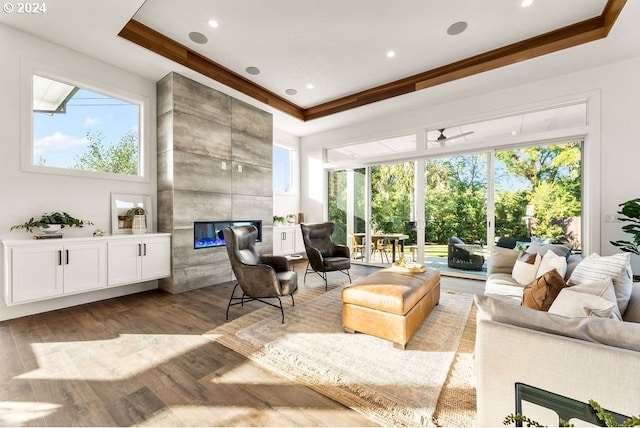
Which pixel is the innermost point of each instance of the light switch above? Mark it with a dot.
(224, 165)
(239, 168)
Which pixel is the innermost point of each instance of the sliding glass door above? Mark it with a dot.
(538, 194)
(455, 210)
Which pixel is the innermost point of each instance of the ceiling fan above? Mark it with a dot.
(443, 139)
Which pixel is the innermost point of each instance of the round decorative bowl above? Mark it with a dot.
(53, 228)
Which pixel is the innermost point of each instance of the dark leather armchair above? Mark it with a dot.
(464, 256)
(323, 254)
(259, 277)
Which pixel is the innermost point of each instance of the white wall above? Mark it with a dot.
(26, 194)
(619, 88)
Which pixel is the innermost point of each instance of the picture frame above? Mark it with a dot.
(121, 203)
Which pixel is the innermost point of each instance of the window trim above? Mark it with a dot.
(29, 68)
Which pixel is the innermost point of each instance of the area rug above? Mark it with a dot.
(388, 385)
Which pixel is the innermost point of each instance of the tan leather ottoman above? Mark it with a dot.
(390, 304)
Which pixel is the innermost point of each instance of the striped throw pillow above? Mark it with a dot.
(616, 267)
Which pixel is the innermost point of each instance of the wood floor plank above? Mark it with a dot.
(146, 359)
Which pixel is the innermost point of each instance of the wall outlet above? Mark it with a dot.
(223, 165)
(611, 218)
(239, 168)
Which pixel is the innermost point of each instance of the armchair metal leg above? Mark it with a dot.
(244, 298)
(231, 299)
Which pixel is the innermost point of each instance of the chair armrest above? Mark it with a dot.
(259, 281)
(340, 251)
(278, 263)
(315, 258)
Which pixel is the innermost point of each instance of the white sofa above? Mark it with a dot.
(581, 358)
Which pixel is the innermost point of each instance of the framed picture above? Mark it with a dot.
(121, 203)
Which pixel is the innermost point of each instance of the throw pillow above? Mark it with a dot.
(603, 289)
(552, 261)
(616, 267)
(560, 249)
(526, 267)
(502, 260)
(541, 293)
(571, 303)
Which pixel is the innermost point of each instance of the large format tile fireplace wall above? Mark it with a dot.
(214, 163)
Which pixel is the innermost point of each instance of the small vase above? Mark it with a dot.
(139, 224)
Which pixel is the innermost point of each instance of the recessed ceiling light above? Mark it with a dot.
(290, 92)
(309, 85)
(457, 28)
(391, 54)
(252, 70)
(213, 23)
(198, 37)
(526, 3)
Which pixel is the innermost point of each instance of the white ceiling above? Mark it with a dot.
(338, 45)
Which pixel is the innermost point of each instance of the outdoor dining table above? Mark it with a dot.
(394, 238)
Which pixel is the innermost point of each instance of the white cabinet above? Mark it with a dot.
(139, 259)
(34, 270)
(49, 270)
(287, 240)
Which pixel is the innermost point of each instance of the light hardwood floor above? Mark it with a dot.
(143, 360)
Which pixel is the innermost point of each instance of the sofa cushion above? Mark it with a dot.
(550, 261)
(560, 249)
(526, 267)
(593, 299)
(503, 284)
(502, 260)
(541, 293)
(616, 267)
(599, 330)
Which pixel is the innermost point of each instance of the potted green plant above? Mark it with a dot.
(631, 214)
(51, 222)
(278, 220)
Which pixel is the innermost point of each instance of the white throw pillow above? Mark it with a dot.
(616, 267)
(526, 268)
(605, 304)
(552, 261)
(570, 303)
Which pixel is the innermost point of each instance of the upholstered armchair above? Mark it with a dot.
(323, 254)
(464, 256)
(259, 277)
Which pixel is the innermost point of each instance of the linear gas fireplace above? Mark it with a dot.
(207, 234)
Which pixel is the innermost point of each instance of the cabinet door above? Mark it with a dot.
(125, 261)
(36, 273)
(288, 241)
(156, 258)
(85, 266)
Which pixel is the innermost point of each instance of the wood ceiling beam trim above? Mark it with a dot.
(570, 36)
(553, 41)
(148, 38)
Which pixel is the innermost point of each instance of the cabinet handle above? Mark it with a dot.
(59, 257)
(66, 253)
(284, 236)
(139, 250)
(145, 249)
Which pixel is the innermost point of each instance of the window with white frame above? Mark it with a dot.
(77, 129)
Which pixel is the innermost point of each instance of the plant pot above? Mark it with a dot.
(53, 228)
(139, 224)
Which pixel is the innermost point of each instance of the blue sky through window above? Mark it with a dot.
(60, 137)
